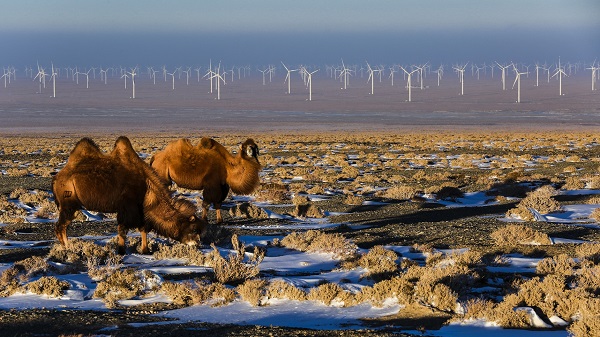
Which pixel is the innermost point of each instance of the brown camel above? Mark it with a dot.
(211, 168)
(121, 182)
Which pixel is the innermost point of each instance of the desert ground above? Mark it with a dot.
(482, 205)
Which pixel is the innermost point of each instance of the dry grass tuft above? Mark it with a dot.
(233, 269)
(588, 320)
(589, 252)
(182, 294)
(48, 285)
(125, 284)
(81, 254)
(379, 262)
(400, 192)
(192, 255)
(540, 200)
(9, 212)
(253, 291)
(9, 282)
(307, 210)
(595, 214)
(561, 265)
(246, 210)
(353, 200)
(313, 241)
(284, 290)
(513, 235)
(198, 292)
(398, 288)
(275, 193)
(331, 294)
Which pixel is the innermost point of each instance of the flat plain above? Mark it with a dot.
(426, 180)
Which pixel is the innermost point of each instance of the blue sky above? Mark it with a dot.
(150, 31)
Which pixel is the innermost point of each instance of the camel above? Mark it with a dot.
(211, 168)
(121, 182)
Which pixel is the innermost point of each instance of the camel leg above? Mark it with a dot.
(218, 209)
(205, 207)
(144, 235)
(121, 236)
(60, 229)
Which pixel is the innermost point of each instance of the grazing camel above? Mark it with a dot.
(211, 168)
(121, 182)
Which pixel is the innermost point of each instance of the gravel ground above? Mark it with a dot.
(395, 223)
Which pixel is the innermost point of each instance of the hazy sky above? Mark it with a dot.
(304, 31)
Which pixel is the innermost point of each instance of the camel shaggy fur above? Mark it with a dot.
(121, 182)
(211, 168)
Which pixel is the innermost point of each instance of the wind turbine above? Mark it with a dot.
(594, 70)
(53, 77)
(560, 72)
(173, 77)
(309, 83)
(87, 78)
(264, 71)
(518, 83)
(461, 76)
(420, 69)
(288, 77)
(218, 78)
(41, 75)
(132, 73)
(409, 81)
(503, 74)
(392, 71)
(440, 73)
(187, 75)
(345, 73)
(372, 76)
(209, 75)
(125, 76)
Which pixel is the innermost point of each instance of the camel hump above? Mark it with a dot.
(123, 148)
(85, 147)
(207, 143)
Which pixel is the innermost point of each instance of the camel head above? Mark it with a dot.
(192, 227)
(250, 150)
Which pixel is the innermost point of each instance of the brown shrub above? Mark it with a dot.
(81, 254)
(125, 284)
(588, 321)
(512, 235)
(192, 255)
(595, 214)
(379, 262)
(401, 192)
(589, 251)
(233, 269)
(395, 288)
(353, 200)
(313, 241)
(252, 291)
(9, 212)
(573, 183)
(561, 264)
(330, 292)
(284, 290)
(246, 210)
(48, 285)
(9, 282)
(540, 200)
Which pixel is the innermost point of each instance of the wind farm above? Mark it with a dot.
(478, 91)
